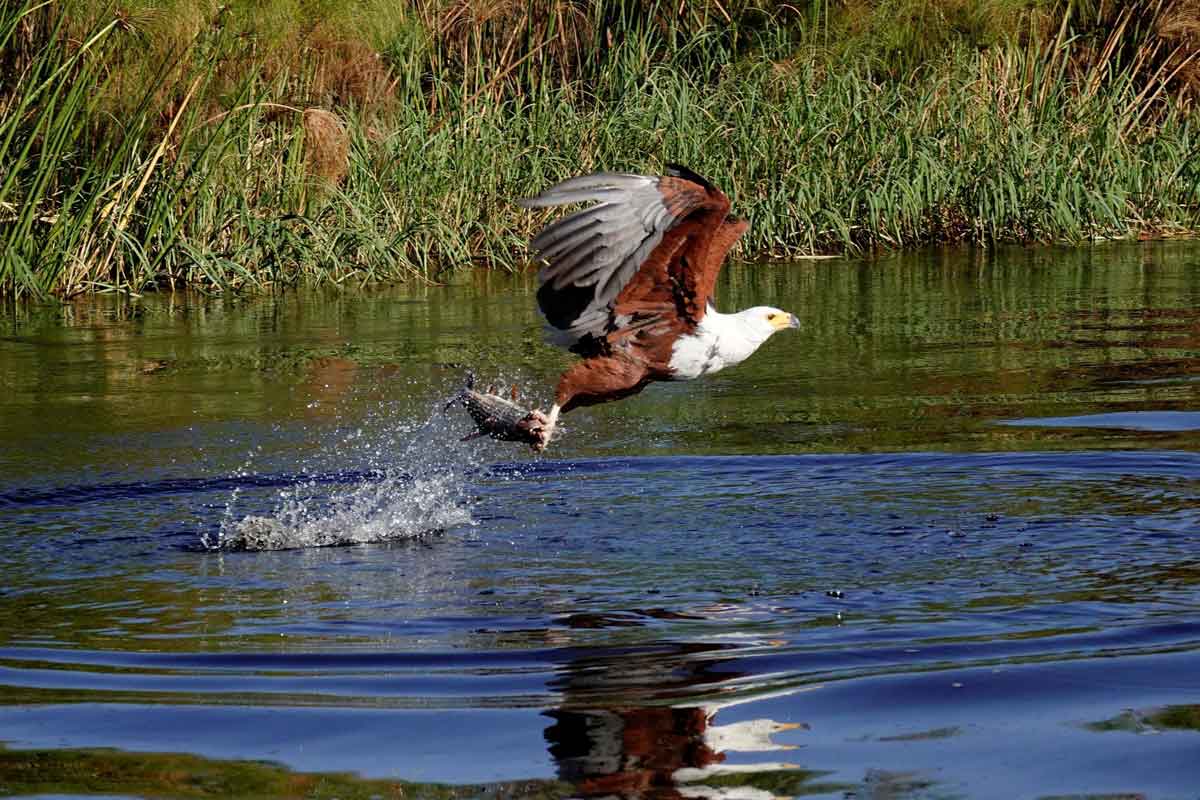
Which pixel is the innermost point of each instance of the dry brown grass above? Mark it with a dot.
(503, 33)
(157, 49)
(310, 55)
(1156, 43)
(326, 145)
(343, 71)
(1178, 26)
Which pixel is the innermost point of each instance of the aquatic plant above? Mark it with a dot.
(183, 145)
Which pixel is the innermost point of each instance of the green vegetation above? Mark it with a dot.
(1167, 718)
(253, 144)
(180, 775)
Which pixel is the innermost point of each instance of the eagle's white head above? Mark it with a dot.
(762, 321)
(722, 340)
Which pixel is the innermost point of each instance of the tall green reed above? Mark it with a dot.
(227, 185)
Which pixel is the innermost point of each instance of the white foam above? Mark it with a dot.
(422, 489)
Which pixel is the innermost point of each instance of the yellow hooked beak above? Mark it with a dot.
(784, 321)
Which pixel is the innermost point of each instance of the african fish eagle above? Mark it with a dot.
(627, 283)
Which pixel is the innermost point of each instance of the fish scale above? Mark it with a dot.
(495, 416)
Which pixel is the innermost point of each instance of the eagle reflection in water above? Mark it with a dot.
(658, 750)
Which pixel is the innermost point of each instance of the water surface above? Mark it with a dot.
(939, 542)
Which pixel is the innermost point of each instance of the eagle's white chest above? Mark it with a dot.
(719, 341)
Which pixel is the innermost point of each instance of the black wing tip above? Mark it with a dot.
(680, 171)
(562, 307)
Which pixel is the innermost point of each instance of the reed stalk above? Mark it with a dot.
(202, 167)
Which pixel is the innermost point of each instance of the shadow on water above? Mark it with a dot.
(949, 523)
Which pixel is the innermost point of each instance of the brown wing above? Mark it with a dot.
(596, 255)
(681, 274)
(704, 280)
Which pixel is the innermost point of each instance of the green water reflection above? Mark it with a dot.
(1178, 717)
(179, 775)
(913, 352)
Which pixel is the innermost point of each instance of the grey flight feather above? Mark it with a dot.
(602, 245)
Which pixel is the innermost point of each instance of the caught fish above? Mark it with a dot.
(498, 417)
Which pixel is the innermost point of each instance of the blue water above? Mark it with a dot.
(1130, 420)
(911, 566)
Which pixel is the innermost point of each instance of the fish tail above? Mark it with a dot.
(461, 396)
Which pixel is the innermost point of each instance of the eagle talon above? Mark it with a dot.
(541, 426)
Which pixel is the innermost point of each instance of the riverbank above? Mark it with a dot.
(184, 148)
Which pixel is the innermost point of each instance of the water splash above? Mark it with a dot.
(416, 483)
